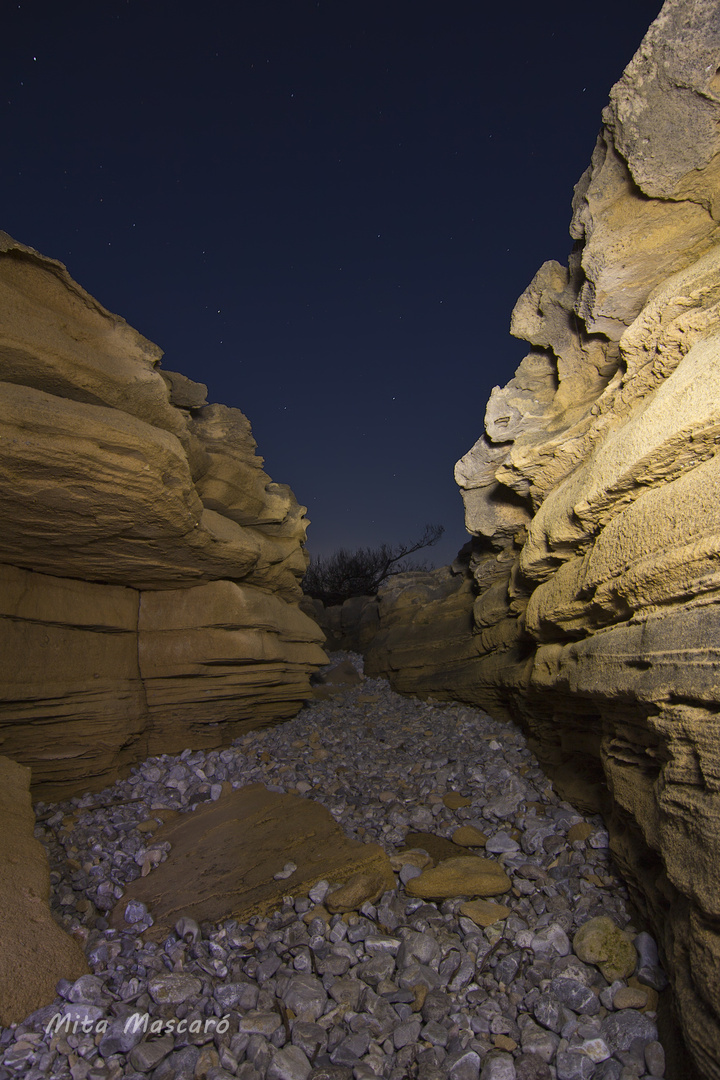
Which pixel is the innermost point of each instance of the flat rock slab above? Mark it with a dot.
(225, 856)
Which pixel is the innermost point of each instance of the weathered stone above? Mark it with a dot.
(576, 996)
(290, 1063)
(599, 941)
(629, 998)
(121, 1036)
(574, 1065)
(655, 1058)
(580, 831)
(35, 952)
(226, 853)
(418, 947)
(257, 1022)
(498, 1066)
(531, 1067)
(463, 1065)
(484, 912)
(539, 1042)
(173, 989)
(465, 875)
(362, 887)
(306, 996)
(149, 1053)
(620, 1028)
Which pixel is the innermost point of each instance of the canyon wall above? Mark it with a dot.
(590, 609)
(149, 568)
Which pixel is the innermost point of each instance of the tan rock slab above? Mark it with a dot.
(466, 875)
(469, 836)
(599, 941)
(34, 951)
(484, 912)
(224, 857)
(454, 800)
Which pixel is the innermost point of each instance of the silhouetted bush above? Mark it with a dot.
(336, 578)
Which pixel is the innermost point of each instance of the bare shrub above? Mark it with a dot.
(337, 577)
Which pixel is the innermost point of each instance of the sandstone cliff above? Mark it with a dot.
(34, 951)
(149, 568)
(594, 495)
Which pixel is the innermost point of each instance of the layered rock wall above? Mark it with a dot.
(593, 496)
(34, 951)
(149, 568)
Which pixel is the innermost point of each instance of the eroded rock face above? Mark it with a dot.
(149, 567)
(34, 952)
(594, 494)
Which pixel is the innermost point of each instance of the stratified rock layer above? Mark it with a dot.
(34, 951)
(149, 568)
(594, 496)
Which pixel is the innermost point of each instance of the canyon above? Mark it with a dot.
(150, 569)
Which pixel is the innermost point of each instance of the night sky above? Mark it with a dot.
(323, 210)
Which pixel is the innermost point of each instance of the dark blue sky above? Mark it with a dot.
(324, 210)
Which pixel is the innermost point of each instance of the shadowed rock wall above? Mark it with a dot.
(149, 568)
(34, 951)
(594, 496)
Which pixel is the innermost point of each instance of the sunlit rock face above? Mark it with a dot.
(594, 494)
(149, 568)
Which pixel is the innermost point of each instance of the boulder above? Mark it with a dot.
(599, 941)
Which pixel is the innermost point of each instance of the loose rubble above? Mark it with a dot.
(405, 987)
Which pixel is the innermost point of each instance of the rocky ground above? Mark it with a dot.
(406, 987)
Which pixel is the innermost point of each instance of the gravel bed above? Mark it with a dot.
(403, 988)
